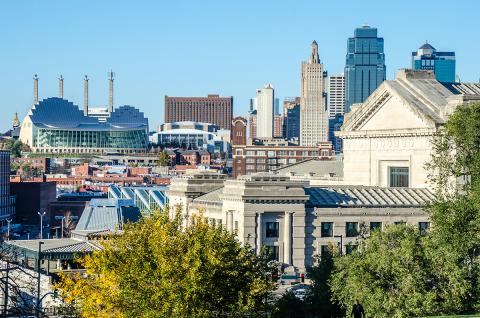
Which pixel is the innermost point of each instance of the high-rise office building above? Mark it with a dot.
(291, 110)
(212, 109)
(365, 66)
(265, 104)
(313, 110)
(252, 124)
(277, 106)
(336, 95)
(278, 126)
(442, 63)
(7, 202)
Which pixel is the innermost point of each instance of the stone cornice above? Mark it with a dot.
(414, 132)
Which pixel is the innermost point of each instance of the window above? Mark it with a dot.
(236, 226)
(327, 229)
(272, 252)
(250, 160)
(260, 153)
(250, 153)
(349, 248)
(398, 176)
(271, 153)
(351, 229)
(423, 227)
(375, 226)
(271, 229)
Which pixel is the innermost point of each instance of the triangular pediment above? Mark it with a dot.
(394, 114)
(386, 109)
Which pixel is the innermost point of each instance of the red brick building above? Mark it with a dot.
(262, 158)
(211, 109)
(239, 131)
(278, 126)
(252, 128)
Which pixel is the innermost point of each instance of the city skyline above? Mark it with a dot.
(158, 54)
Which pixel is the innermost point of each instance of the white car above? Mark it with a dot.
(300, 293)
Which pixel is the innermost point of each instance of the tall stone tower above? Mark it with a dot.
(85, 95)
(35, 89)
(313, 110)
(110, 91)
(60, 86)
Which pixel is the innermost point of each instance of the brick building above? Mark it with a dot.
(239, 131)
(267, 156)
(278, 126)
(211, 109)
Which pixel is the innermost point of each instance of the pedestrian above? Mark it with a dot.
(357, 310)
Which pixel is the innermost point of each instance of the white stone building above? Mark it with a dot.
(291, 219)
(336, 95)
(313, 110)
(387, 139)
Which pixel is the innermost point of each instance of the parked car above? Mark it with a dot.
(300, 293)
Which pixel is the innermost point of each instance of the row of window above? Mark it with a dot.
(352, 228)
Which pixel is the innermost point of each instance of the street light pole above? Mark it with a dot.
(8, 229)
(63, 218)
(41, 223)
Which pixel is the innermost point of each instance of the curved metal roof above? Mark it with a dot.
(59, 113)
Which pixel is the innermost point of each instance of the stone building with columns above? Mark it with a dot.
(293, 220)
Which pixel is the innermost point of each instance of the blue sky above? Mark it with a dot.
(190, 48)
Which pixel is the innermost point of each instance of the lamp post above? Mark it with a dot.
(63, 218)
(8, 229)
(41, 214)
(340, 244)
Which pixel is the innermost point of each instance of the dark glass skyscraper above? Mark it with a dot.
(365, 66)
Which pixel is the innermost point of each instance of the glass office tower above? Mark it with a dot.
(365, 66)
(442, 63)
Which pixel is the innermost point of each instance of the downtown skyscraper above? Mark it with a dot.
(265, 111)
(365, 66)
(313, 110)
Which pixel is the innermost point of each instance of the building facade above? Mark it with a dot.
(252, 124)
(313, 110)
(365, 66)
(278, 126)
(265, 111)
(291, 111)
(7, 202)
(55, 125)
(211, 109)
(291, 219)
(336, 95)
(387, 139)
(441, 63)
(239, 131)
(260, 156)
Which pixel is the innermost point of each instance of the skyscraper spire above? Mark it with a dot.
(35, 89)
(314, 59)
(110, 91)
(60, 86)
(16, 121)
(85, 95)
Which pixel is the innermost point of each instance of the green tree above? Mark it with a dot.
(389, 274)
(163, 159)
(159, 268)
(15, 147)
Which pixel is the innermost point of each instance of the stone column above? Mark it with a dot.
(230, 221)
(287, 238)
(258, 232)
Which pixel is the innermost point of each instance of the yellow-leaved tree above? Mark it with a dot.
(159, 268)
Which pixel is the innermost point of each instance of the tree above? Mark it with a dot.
(163, 159)
(159, 268)
(389, 274)
(15, 146)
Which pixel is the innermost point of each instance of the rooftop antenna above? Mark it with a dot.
(60, 86)
(110, 91)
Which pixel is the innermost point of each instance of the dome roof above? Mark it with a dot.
(59, 113)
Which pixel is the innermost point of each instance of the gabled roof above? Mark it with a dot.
(420, 92)
(210, 197)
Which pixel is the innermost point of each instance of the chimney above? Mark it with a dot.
(35, 89)
(85, 96)
(60, 86)
(110, 91)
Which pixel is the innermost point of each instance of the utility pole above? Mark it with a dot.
(8, 229)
